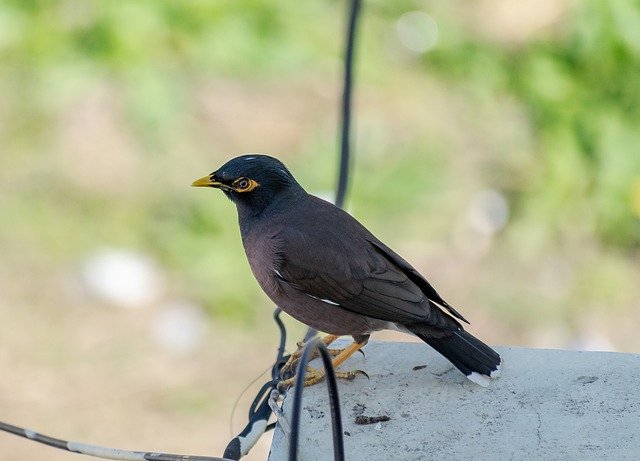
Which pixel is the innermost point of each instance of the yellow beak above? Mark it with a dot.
(206, 182)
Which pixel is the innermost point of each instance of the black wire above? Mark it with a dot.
(264, 391)
(334, 400)
(345, 141)
(281, 358)
(41, 438)
(99, 451)
(341, 193)
(259, 410)
(261, 399)
(345, 145)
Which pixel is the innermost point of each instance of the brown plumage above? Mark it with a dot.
(324, 268)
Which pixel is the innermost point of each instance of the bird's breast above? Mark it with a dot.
(262, 253)
(264, 247)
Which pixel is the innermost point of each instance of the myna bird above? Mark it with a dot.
(325, 269)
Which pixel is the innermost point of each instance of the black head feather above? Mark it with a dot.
(274, 181)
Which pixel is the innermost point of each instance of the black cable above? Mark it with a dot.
(334, 400)
(281, 358)
(260, 411)
(101, 452)
(341, 193)
(345, 144)
(345, 113)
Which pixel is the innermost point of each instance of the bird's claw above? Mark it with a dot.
(293, 360)
(361, 372)
(314, 376)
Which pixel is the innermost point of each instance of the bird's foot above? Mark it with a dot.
(292, 363)
(314, 376)
(295, 357)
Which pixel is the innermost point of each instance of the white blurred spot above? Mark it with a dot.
(417, 31)
(178, 327)
(121, 277)
(592, 341)
(552, 335)
(488, 212)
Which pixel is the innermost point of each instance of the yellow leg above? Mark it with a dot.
(328, 339)
(346, 353)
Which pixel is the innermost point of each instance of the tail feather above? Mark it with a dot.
(472, 357)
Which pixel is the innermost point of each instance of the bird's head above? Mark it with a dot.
(251, 181)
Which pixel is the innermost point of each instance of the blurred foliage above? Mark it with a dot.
(578, 85)
(110, 108)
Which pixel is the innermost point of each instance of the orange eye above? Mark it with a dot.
(245, 184)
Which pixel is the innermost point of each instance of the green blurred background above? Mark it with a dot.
(497, 148)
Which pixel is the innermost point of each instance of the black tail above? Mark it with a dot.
(468, 354)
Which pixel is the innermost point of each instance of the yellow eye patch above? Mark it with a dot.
(244, 185)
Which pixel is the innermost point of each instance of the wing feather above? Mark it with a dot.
(356, 276)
